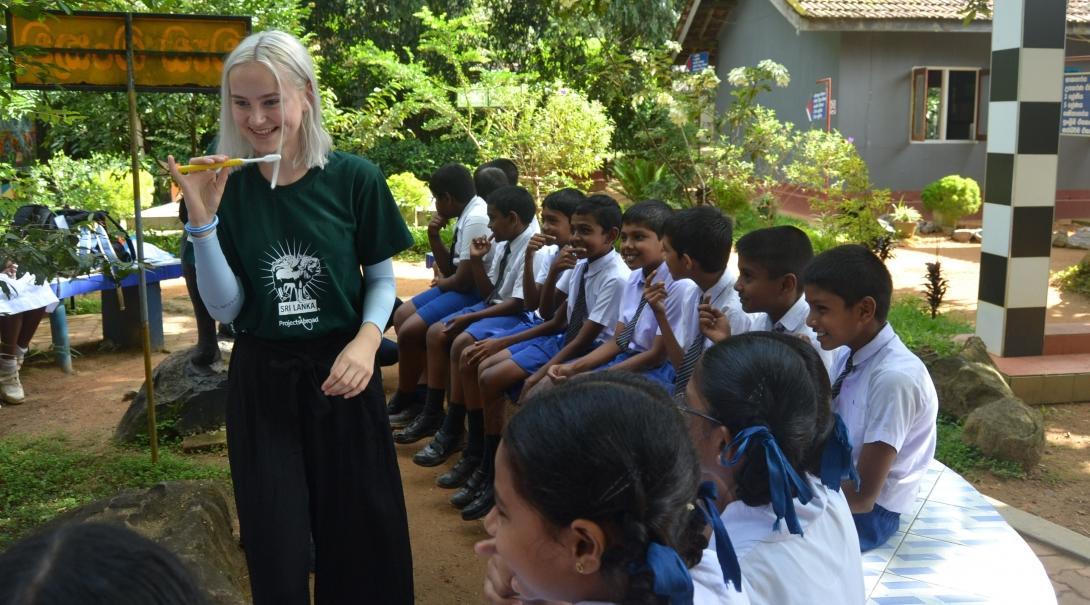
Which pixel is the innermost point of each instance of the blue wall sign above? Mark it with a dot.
(697, 61)
(1075, 112)
(817, 106)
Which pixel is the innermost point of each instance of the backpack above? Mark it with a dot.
(94, 238)
(34, 215)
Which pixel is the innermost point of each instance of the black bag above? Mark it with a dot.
(34, 215)
(41, 217)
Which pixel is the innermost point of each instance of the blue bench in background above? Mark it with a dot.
(120, 325)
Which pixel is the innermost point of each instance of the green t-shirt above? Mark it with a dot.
(298, 248)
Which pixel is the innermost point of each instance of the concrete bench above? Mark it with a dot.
(954, 548)
(120, 325)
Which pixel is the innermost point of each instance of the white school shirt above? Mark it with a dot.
(794, 322)
(647, 327)
(471, 224)
(780, 568)
(889, 397)
(606, 278)
(722, 296)
(509, 285)
(543, 261)
(709, 587)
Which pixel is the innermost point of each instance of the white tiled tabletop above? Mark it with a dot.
(954, 548)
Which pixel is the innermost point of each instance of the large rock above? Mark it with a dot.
(1059, 239)
(1080, 239)
(188, 399)
(966, 384)
(1007, 429)
(974, 349)
(965, 235)
(192, 519)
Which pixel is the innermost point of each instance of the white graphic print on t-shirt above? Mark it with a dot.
(295, 278)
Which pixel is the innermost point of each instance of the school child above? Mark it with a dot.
(509, 168)
(487, 179)
(538, 273)
(455, 197)
(881, 389)
(696, 245)
(765, 432)
(635, 347)
(305, 418)
(597, 502)
(511, 212)
(769, 285)
(593, 289)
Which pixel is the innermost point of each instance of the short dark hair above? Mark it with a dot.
(94, 563)
(702, 232)
(488, 179)
(780, 250)
(611, 448)
(605, 210)
(852, 272)
(509, 168)
(564, 201)
(512, 198)
(764, 378)
(453, 179)
(648, 213)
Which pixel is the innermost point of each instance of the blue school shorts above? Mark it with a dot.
(876, 527)
(663, 374)
(435, 304)
(502, 325)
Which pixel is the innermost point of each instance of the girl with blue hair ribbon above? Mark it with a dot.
(597, 503)
(765, 432)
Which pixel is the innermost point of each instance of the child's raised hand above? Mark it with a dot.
(655, 294)
(713, 322)
(497, 577)
(437, 222)
(480, 246)
(560, 372)
(537, 242)
(566, 258)
(201, 190)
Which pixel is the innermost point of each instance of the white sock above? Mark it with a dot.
(8, 365)
(22, 352)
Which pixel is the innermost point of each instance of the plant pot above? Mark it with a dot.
(947, 222)
(906, 229)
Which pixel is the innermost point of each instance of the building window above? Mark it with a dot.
(947, 104)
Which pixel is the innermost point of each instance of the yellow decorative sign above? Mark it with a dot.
(86, 50)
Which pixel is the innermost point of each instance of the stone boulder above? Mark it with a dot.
(965, 382)
(192, 519)
(189, 399)
(974, 349)
(1007, 429)
(1080, 239)
(1059, 239)
(928, 227)
(966, 235)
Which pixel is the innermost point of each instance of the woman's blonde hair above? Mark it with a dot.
(286, 57)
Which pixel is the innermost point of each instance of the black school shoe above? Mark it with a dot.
(471, 489)
(401, 402)
(424, 425)
(405, 417)
(443, 446)
(481, 505)
(459, 473)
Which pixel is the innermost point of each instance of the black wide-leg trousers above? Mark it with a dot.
(305, 465)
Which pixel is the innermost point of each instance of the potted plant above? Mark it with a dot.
(905, 220)
(951, 198)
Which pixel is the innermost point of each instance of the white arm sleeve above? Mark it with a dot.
(380, 290)
(219, 287)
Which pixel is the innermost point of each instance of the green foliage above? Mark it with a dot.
(88, 304)
(935, 285)
(421, 246)
(951, 198)
(170, 241)
(410, 193)
(911, 319)
(903, 213)
(45, 476)
(99, 182)
(965, 459)
(641, 179)
(394, 155)
(1075, 278)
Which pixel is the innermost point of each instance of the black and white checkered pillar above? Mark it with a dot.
(1020, 183)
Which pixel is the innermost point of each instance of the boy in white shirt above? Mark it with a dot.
(455, 196)
(881, 389)
(770, 265)
(636, 346)
(696, 246)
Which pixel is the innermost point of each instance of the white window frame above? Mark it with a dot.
(979, 130)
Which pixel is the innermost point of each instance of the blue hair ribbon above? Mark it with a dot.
(724, 549)
(784, 484)
(836, 459)
(672, 579)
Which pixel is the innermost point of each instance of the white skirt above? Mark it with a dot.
(25, 295)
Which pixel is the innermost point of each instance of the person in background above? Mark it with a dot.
(23, 304)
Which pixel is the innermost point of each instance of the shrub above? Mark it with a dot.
(421, 158)
(951, 198)
(641, 179)
(903, 213)
(911, 319)
(1075, 278)
(410, 193)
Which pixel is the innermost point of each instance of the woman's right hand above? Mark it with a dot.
(201, 190)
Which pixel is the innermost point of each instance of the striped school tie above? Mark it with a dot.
(624, 338)
(843, 374)
(779, 328)
(579, 311)
(688, 364)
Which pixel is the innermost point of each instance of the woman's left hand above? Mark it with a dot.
(354, 365)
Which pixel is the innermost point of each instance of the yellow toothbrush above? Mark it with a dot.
(272, 157)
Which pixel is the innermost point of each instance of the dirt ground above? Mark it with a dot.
(88, 405)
